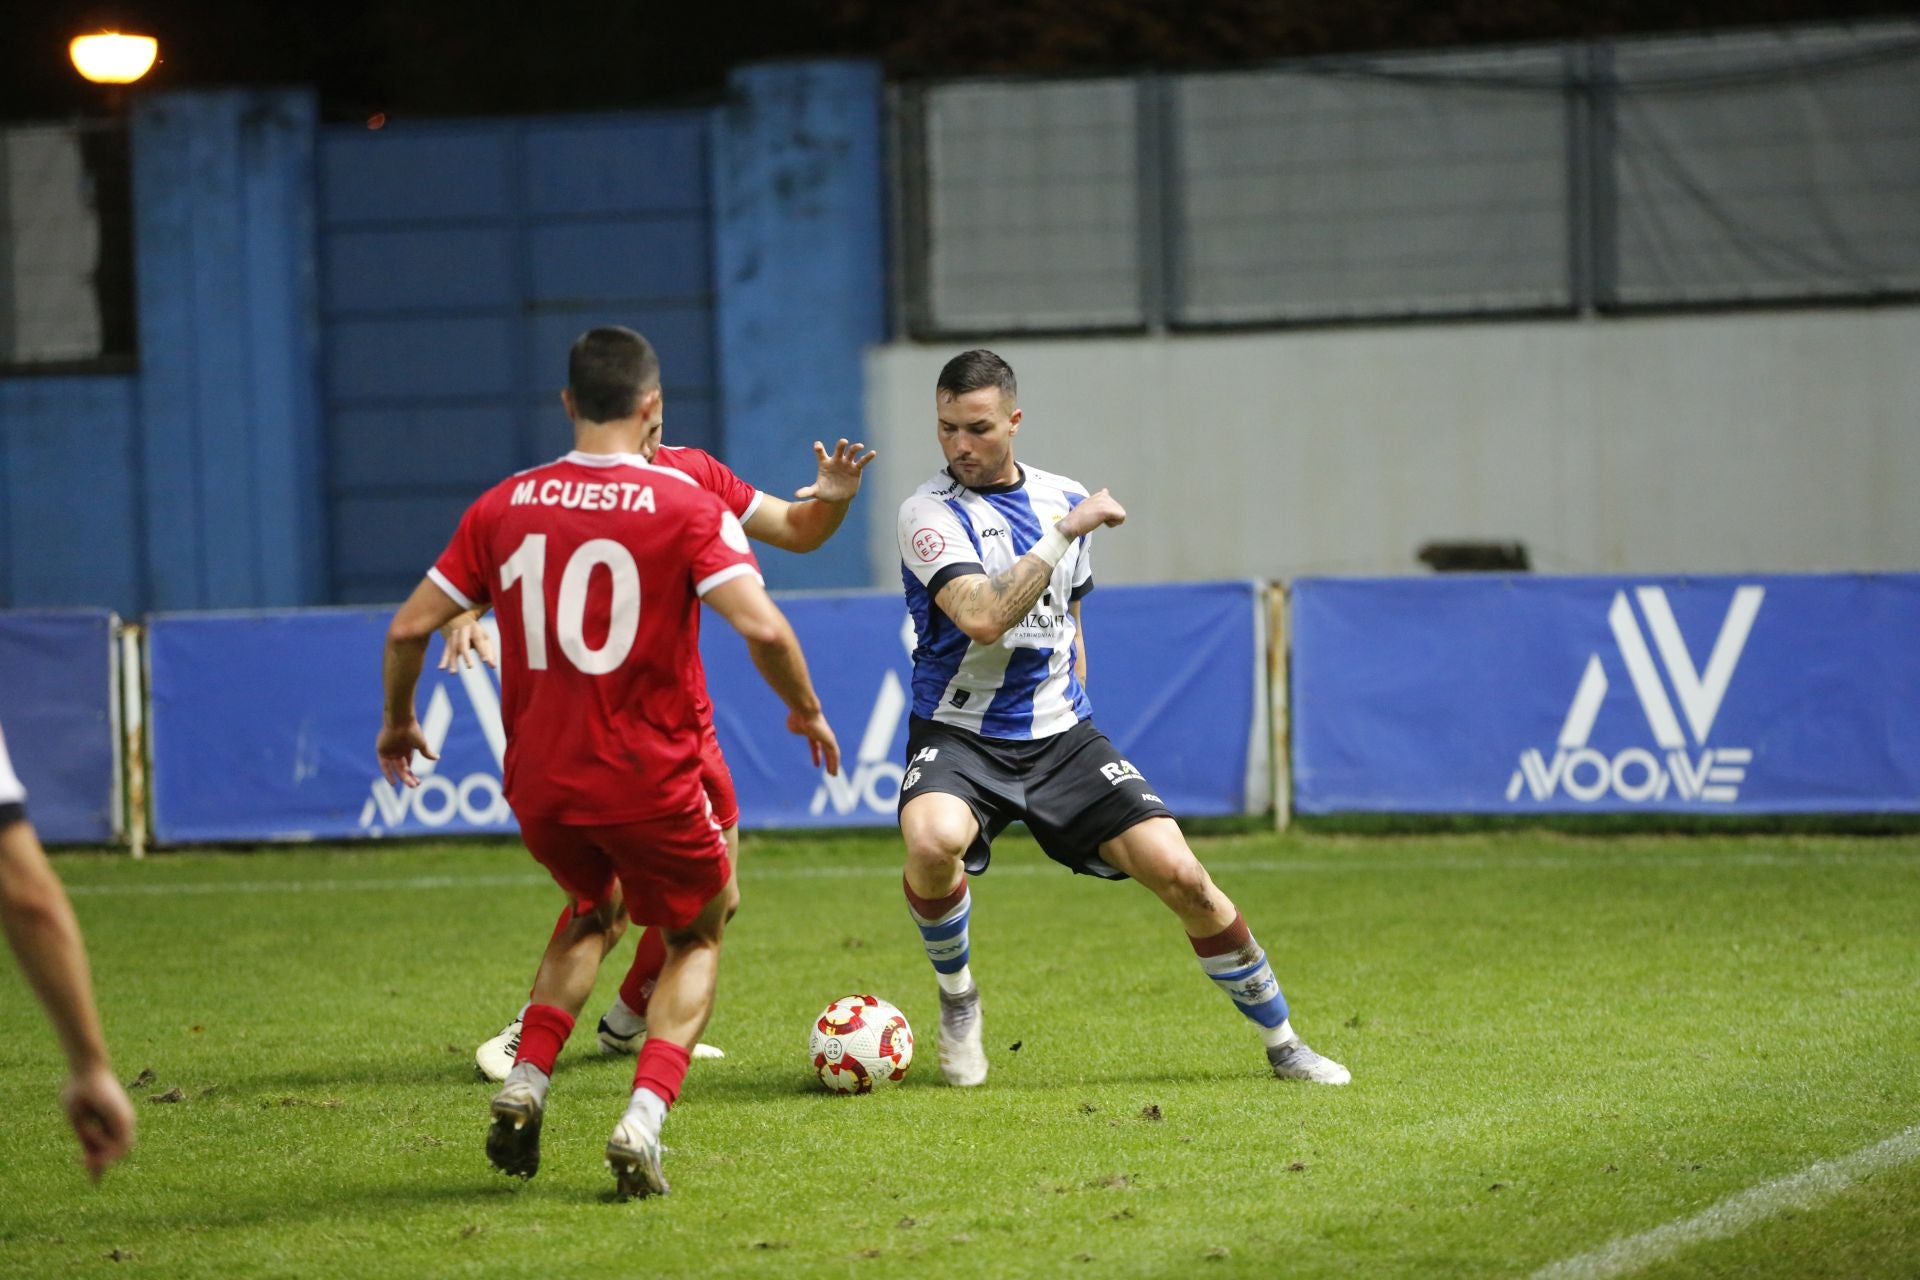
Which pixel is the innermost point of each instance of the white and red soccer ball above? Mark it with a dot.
(858, 1043)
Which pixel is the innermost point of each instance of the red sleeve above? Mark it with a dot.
(717, 548)
(717, 478)
(464, 569)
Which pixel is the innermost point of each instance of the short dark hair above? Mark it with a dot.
(972, 370)
(608, 370)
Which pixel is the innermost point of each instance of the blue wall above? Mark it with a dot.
(194, 483)
(345, 335)
(69, 508)
(802, 278)
(229, 422)
(460, 260)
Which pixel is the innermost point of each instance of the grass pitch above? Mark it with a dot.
(1556, 1042)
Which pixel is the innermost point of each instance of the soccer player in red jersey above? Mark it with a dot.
(802, 525)
(597, 564)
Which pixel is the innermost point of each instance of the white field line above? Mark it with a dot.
(1737, 1213)
(753, 870)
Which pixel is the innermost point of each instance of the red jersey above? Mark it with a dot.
(595, 565)
(741, 498)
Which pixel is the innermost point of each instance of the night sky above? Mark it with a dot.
(434, 58)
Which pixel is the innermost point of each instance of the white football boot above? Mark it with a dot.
(613, 1043)
(495, 1058)
(1294, 1061)
(633, 1153)
(513, 1141)
(963, 1059)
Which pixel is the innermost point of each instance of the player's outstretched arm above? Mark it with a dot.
(45, 935)
(987, 606)
(806, 524)
(427, 610)
(747, 607)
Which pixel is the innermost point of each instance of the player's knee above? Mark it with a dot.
(937, 837)
(1178, 879)
(604, 918)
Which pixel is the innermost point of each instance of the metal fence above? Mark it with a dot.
(1750, 168)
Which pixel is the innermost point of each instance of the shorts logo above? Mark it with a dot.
(913, 776)
(1120, 771)
(924, 755)
(928, 544)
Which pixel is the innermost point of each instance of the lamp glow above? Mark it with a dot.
(112, 58)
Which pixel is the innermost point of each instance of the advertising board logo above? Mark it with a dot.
(1671, 765)
(476, 799)
(874, 783)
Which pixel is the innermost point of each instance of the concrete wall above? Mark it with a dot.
(1685, 444)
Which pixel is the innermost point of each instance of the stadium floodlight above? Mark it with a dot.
(110, 57)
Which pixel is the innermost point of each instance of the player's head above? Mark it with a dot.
(977, 401)
(613, 377)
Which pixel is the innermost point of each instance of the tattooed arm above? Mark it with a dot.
(987, 606)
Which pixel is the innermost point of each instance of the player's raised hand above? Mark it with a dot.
(1090, 514)
(101, 1117)
(821, 744)
(395, 747)
(466, 640)
(839, 477)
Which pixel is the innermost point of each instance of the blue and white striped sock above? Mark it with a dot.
(943, 932)
(1237, 965)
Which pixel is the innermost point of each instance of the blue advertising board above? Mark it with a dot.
(1482, 694)
(57, 709)
(1176, 675)
(262, 724)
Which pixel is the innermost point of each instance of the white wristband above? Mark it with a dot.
(1051, 547)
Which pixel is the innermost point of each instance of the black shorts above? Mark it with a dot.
(1073, 790)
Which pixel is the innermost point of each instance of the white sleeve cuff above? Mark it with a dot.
(727, 574)
(439, 580)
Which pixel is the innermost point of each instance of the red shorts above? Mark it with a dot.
(715, 778)
(669, 868)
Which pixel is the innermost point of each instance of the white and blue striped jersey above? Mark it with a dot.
(1021, 686)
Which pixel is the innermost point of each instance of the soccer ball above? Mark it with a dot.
(859, 1042)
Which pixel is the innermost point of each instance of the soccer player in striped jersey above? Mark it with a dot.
(995, 558)
(800, 526)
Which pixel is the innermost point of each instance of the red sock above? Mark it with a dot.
(649, 958)
(662, 1068)
(1235, 937)
(542, 1031)
(934, 908)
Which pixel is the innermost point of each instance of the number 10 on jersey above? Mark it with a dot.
(528, 566)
